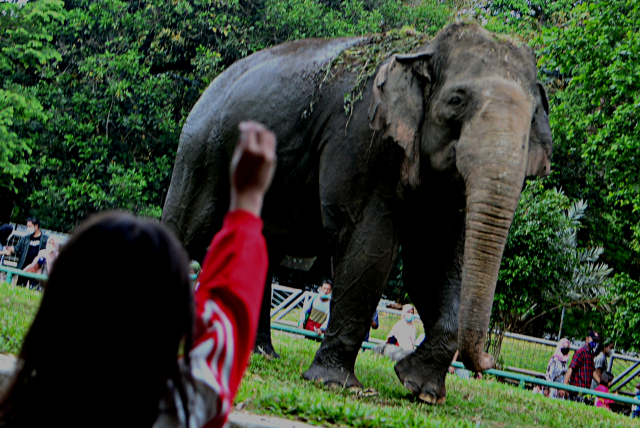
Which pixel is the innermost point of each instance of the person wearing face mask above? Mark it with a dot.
(557, 367)
(43, 262)
(600, 364)
(315, 313)
(29, 246)
(403, 333)
(194, 272)
(580, 372)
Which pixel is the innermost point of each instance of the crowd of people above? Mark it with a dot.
(587, 369)
(35, 252)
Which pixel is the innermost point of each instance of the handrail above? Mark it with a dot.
(19, 272)
(500, 373)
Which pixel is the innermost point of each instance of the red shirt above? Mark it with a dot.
(228, 300)
(582, 368)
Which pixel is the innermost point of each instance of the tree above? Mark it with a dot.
(543, 267)
(623, 321)
(129, 73)
(592, 54)
(24, 47)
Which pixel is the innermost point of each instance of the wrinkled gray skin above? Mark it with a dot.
(433, 159)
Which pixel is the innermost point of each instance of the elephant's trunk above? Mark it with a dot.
(491, 155)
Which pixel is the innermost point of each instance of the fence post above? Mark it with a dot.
(9, 277)
(610, 365)
(523, 384)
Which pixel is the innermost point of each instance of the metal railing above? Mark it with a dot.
(530, 355)
(19, 272)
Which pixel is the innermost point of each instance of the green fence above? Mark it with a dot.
(18, 272)
(521, 378)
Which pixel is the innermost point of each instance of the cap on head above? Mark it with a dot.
(594, 335)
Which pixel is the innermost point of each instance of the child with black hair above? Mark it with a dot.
(103, 348)
(605, 381)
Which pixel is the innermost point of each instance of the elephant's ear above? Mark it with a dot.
(397, 107)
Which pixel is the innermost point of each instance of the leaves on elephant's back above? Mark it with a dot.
(362, 60)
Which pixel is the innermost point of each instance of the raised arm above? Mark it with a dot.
(232, 280)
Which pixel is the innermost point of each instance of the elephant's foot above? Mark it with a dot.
(423, 381)
(333, 377)
(265, 348)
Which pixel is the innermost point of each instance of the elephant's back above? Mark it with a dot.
(273, 86)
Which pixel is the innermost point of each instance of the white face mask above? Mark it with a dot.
(30, 230)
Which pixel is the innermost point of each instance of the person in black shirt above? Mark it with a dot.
(29, 246)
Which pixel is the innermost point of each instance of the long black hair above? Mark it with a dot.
(114, 313)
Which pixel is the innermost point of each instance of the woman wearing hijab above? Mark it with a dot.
(403, 333)
(45, 258)
(557, 367)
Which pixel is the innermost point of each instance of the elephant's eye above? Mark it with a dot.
(455, 100)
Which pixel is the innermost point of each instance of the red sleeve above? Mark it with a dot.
(228, 300)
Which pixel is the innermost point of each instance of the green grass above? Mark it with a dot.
(19, 306)
(277, 388)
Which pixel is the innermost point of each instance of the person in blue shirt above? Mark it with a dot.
(374, 325)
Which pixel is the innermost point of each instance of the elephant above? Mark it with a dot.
(432, 158)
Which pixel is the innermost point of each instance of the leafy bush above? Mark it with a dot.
(543, 268)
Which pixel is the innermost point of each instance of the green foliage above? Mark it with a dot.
(543, 268)
(592, 54)
(624, 321)
(19, 306)
(364, 59)
(24, 47)
(128, 74)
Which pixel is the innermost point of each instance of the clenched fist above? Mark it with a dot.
(252, 167)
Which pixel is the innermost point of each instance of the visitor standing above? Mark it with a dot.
(600, 364)
(375, 323)
(580, 372)
(29, 246)
(557, 367)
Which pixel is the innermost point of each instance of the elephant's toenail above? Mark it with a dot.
(427, 398)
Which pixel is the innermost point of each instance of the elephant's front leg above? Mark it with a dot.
(432, 280)
(362, 267)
